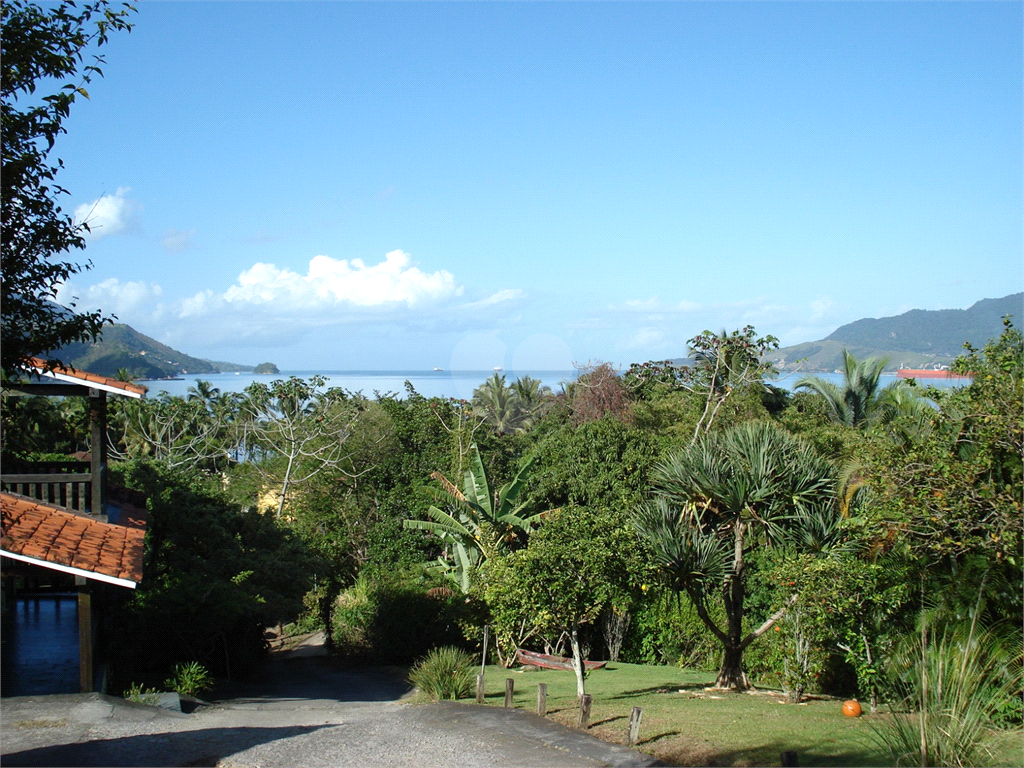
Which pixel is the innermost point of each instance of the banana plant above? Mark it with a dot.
(477, 524)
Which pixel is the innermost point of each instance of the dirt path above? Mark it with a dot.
(298, 712)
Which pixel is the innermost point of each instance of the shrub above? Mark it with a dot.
(396, 620)
(189, 679)
(444, 673)
(956, 689)
(142, 695)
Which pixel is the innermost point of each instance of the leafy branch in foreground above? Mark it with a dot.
(40, 44)
(477, 524)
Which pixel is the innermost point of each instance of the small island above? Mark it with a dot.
(265, 368)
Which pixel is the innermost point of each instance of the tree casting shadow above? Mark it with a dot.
(201, 747)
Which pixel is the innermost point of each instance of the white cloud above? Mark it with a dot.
(177, 240)
(107, 215)
(656, 305)
(502, 296)
(646, 337)
(270, 305)
(330, 282)
(130, 299)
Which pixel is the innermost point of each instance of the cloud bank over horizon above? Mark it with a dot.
(274, 307)
(401, 316)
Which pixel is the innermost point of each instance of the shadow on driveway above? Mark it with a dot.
(204, 747)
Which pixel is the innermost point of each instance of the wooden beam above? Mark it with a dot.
(84, 635)
(98, 450)
(51, 477)
(46, 390)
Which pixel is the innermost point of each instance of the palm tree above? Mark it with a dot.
(499, 404)
(751, 485)
(534, 398)
(860, 401)
(204, 391)
(477, 525)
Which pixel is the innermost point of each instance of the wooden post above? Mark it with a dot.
(98, 452)
(634, 725)
(584, 710)
(510, 686)
(483, 656)
(84, 635)
(542, 699)
(479, 689)
(789, 759)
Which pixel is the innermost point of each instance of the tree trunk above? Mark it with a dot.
(577, 662)
(284, 485)
(731, 676)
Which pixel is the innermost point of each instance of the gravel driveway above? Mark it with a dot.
(300, 712)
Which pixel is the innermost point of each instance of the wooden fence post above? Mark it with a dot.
(510, 686)
(584, 710)
(542, 699)
(479, 689)
(634, 725)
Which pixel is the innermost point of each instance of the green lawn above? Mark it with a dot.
(683, 724)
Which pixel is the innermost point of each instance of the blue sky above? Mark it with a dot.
(407, 185)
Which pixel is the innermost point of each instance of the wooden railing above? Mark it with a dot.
(65, 484)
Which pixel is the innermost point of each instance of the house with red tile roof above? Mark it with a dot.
(61, 516)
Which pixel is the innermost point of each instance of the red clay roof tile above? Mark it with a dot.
(53, 535)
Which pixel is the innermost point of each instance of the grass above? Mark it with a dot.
(685, 725)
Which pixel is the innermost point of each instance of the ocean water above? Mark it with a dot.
(457, 384)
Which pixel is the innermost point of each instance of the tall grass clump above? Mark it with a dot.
(957, 682)
(444, 673)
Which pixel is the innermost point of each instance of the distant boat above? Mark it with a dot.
(438, 369)
(546, 661)
(498, 368)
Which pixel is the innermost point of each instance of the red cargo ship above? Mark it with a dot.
(927, 373)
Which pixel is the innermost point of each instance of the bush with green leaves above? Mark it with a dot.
(214, 577)
(445, 673)
(395, 620)
(189, 679)
(666, 630)
(957, 681)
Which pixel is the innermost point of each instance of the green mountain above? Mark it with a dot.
(920, 338)
(121, 346)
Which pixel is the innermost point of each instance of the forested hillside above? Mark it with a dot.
(122, 347)
(920, 338)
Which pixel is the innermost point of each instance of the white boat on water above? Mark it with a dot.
(438, 369)
(498, 368)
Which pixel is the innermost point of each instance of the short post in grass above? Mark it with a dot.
(483, 666)
(790, 759)
(510, 686)
(584, 710)
(634, 726)
(542, 699)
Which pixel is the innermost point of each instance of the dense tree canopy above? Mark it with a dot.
(42, 44)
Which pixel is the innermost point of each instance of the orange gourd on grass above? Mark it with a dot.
(851, 708)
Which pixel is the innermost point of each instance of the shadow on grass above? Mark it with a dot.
(767, 754)
(669, 687)
(608, 720)
(657, 737)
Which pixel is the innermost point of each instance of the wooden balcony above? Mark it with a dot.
(66, 484)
